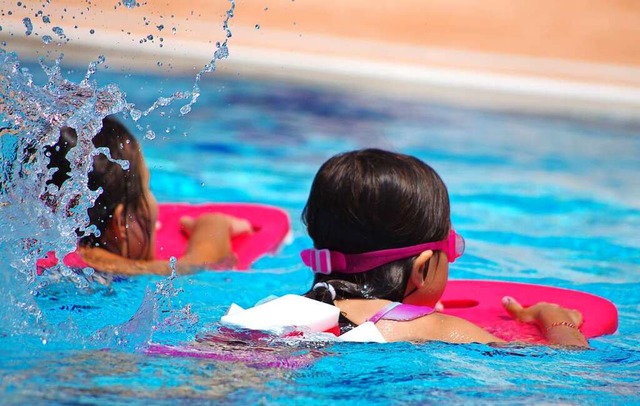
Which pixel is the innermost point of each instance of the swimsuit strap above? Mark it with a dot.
(396, 311)
(382, 312)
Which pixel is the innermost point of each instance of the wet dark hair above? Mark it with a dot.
(119, 186)
(370, 200)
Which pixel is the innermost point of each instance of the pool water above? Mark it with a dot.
(539, 199)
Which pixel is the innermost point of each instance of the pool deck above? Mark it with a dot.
(533, 55)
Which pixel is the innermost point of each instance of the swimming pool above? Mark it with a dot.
(540, 199)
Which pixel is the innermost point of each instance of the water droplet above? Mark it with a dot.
(27, 23)
(185, 109)
(160, 27)
(46, 19)
(150, 37)
(92, 31)
(257, 26)
(59, 31)
(135, 114)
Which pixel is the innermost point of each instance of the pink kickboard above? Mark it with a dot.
(270, 224)
(480, 302)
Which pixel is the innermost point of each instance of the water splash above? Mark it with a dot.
(59, 32)
(28, 25)
(129, 3)
(221, 52)
(38, 217)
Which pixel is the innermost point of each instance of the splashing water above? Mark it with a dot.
(28, 25)
(37, 218)
(129, 3)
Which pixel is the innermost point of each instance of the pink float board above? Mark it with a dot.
(270, 224)
(480, 302)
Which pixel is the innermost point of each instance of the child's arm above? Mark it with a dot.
(209, 243)
(436, 327)
(558, 324)
(210, 238)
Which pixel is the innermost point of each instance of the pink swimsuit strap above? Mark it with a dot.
(397, 311)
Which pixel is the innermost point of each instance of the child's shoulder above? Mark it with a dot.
(435, 327)
(428, 327)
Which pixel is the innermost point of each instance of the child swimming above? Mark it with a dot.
(383, 240)
(125, 213)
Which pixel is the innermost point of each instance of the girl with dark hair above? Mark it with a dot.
(383, 240)
(125, 213)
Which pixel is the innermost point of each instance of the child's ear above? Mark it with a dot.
(118, 225)
(418, 274)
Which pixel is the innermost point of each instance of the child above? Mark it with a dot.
(383, 239)
(125, 213)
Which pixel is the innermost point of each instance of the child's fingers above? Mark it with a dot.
(236, 225)
(576, 316)
(186, 224)
(515, 309)
(239, 226)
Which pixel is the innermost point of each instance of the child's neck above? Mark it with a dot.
(359, 311)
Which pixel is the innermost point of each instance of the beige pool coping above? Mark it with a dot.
(497, 61)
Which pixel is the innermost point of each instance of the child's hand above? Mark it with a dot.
(239, 226)
(542, 313)
(558, 324)
(187, 224)
(205, 221)
(236, 225)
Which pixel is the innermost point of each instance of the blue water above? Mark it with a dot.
(542, 199)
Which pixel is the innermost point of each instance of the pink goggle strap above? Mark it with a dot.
(325, 262)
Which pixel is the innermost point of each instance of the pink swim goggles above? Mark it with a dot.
(325, 262)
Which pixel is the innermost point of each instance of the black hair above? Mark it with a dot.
(368, 200)
(119, 186)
